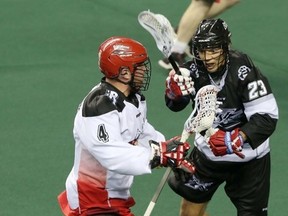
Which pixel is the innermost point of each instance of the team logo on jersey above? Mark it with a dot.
(229, 118)
(196, 184)
(194, 69)
(112, 95)
(243, 72)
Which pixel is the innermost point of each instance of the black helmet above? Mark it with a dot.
(212, 33)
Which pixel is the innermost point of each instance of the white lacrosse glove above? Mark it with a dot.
(179, 85)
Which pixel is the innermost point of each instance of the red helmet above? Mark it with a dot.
(120, 52)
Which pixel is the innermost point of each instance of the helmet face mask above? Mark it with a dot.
(212, 59)
(210, 35)
(141, 76)
(117, 53)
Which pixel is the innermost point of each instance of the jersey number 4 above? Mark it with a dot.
(102, 133)
(256, 89)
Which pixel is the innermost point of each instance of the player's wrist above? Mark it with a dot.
(243, 136)
(171, 95)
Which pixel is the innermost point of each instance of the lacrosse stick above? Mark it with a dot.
(200, 119)
(162, 31)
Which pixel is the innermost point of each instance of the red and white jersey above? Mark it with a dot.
(112, 136)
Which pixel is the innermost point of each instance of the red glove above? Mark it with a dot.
(184, 171)
(178, 85)
(187, 166)
(226, 142)
(169, 153)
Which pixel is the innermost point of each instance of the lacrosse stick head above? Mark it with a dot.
(204, 112)
(161, 30)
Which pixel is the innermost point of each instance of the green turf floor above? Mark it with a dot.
(48, 62)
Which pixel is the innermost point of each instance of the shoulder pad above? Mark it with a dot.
(102, 100)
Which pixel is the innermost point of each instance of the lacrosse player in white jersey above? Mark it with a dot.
(237, 152)
(113, 139)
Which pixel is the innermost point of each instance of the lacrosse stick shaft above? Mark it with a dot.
(206, 99)
(174, 65)
(158, 192)
(185, 135)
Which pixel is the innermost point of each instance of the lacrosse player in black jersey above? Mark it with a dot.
(237, 152)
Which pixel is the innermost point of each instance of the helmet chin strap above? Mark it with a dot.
(220, 71)
(121, 81)
(222, 65)
(218, 78)
(129, 83)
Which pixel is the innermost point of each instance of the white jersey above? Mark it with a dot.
(112, 136)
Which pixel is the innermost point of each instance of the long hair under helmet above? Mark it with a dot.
(211, 34)
(117, 53)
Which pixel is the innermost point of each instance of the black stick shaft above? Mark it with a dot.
(174, 65)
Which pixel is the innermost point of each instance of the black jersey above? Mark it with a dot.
(246, 101)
